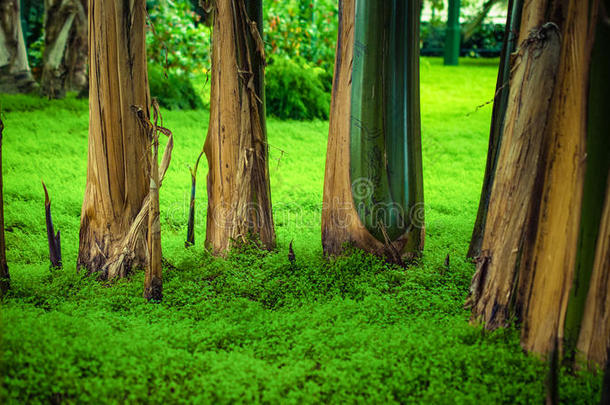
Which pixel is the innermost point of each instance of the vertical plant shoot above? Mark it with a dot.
(52, 237)
(190, 233)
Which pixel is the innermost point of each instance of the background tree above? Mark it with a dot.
(15, 75)
(525, 270)
(239, 198)
(475, 22)
(373, 191)
(119, 145)
(453, 38)
(65, 51)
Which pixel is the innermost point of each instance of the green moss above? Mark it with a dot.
(252, 327)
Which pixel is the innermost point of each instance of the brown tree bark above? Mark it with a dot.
(15, 74)
(239, 198)
(65, 54)
(4, 274)
(153, 281)
(118, 171)
(513, 22)
(342, 223)
(526, 266)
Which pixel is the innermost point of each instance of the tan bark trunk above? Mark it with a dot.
(594, 340)
(341, 224)
(15, 75)
(527, 258)
(4, 274)
(153, 287)
(239, 199)
(65, 55)
(119, 147)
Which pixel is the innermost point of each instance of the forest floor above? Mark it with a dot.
(252, 327)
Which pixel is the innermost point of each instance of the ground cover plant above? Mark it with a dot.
(254, 327)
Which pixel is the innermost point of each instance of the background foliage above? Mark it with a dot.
(485, 42)
(300, 39)
(297, 90)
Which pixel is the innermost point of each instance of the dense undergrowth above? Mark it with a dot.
(253, 327)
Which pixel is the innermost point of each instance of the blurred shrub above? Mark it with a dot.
(486, 40)
(176, 40)
(296, 90)
(174, 91)
(304, 29)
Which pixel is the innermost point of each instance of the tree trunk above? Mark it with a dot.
(528, 253)
(65, 54)
(595, 190)
(15, 75)
(594, 339)
(118, 171)
(497, 122)
(153, 281)
(373, 193)
(4, 274)
(239, 198)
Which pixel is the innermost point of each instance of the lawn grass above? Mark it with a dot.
(253, 327)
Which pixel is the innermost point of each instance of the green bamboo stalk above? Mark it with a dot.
(598, 165)
(385, 141)
(497, 123)
(453, 37)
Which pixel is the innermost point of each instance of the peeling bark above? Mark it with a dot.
(239, 198)
(15, 74)
(118, 171)
(65, 54)
(497, 123)
(526, 266)
(153, 282)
